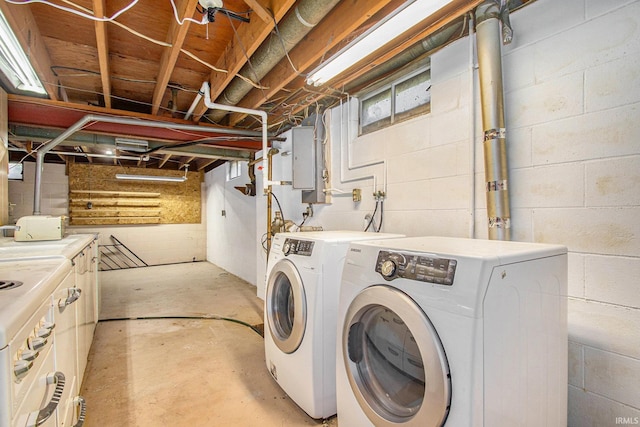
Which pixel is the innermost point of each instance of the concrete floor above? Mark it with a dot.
(177, 372)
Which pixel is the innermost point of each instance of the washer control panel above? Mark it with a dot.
(423, 268)
(297, 247)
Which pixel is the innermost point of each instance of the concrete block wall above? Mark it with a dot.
(155, 244)
(572, 97)
(229, 236)
(55, 192)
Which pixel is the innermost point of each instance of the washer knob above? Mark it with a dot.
(286, 248)
(388, 268)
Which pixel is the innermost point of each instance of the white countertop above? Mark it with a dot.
(40, 278)
(68, 247)
(41, 266)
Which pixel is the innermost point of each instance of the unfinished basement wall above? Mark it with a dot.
(155, 244)
(572, 96)
(231, 223)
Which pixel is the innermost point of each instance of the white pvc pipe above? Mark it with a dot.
(472, 128)
(347, 168)
(263, 117)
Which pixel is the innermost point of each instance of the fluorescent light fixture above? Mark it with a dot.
(14, 63)
(386, 30)
(151, 177)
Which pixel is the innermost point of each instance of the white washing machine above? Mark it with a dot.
(301, 304)
(457, 332)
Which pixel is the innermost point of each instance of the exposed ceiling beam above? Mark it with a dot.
(202, 165)
(343, 19)
(164, 160)
(102, 43)
(250, 37)
(176, 36)
(24, 135)
(186, 162)
(26, 30)
(84, 150)
(427, 27)
(259, 10)
(304, 96)
(53, 114)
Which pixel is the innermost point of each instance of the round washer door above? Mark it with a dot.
(394, 360)
(286, 306)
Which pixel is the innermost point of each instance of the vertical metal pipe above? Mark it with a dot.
(493, 122)
(269, 156)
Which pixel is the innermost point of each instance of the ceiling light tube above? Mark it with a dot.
(151, 178)
(14, 63)
(386, 30)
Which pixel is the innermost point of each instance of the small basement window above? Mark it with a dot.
(401, 99)
(15, 171)
(234, 169)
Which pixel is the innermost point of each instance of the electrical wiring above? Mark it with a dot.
(82, 72)
(112, 20)
(381, 216)
(148, 104)
(372, 217)
(279, 207)
(203, 21)
(284, 49)
(246, 54)
(78, 12)
(203, 317)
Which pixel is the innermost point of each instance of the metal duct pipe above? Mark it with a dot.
(80, 124)
(493, 122)
(290, 31)
(426, 45)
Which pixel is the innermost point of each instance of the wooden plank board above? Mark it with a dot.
(117, 193)
(171, 202)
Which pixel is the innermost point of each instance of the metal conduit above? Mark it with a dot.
(493, 121)
(80, 124)
(290, 31)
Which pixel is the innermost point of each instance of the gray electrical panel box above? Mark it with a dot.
(304, 158)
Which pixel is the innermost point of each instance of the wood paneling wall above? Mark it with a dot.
(96, 197)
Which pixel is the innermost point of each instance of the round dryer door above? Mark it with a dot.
(286, 306)
(394, 360)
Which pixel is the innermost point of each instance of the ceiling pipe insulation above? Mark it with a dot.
(289, 31)
(488, 17)
(425, 46)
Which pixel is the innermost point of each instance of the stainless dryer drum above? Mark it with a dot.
(286, 306)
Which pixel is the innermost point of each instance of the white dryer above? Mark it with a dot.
(457, 332)
(301, 304)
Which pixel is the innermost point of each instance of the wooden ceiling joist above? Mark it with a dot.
(250, 37)
(176, 36)
(259, 10)
(102, 43)
(343, 19)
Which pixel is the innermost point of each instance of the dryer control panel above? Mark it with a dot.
(424, 268)
(297, 247)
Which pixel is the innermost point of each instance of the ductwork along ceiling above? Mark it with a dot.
(149, 59)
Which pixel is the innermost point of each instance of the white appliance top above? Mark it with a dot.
(67, 247)
(39, 276)
(340, 236)
(503, 252)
